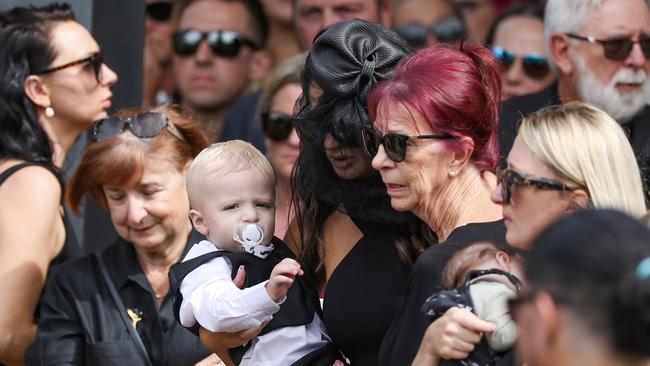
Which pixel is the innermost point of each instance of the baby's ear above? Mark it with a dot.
(199, 222)
(503, 259)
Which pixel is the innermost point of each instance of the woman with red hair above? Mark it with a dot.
(434, 143)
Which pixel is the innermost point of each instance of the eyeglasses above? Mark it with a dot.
(618, 49)
(394, 143)
(160, 11)
(535, 66)
(509, 178)
(276, 126)
(224, 43)
(142, 125)
(448, 30)
(95, 60)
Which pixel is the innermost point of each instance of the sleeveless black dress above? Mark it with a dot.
(364, 293)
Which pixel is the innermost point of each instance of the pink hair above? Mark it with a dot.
(458, 92)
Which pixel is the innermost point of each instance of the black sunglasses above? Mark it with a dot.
(160, 11)
(448, 30)
(224, 43)
(394, 143)
(618, 49)
(142, 125)
(96, 61)
(276, 126)
(509, 178)
(535, 66)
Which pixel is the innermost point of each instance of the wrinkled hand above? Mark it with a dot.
(282, 278)
(454, 335)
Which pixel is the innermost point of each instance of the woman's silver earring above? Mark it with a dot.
(49, 112)
(452, 173)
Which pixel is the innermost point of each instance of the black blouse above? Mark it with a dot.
(81, 325)
(403, 339)
(364, 292)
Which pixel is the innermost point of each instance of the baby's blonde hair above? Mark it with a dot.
(223, 158)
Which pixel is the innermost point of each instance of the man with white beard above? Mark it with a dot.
(601, 53)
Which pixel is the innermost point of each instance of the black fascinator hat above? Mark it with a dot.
(345, 61)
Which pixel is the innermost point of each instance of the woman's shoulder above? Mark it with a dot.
(19, 177)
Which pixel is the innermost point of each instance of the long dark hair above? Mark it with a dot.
(26, 49)
(346, 60)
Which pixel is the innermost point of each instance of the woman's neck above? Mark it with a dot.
(61, 136)
(465, 200)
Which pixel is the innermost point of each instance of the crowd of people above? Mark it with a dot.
(331, 182)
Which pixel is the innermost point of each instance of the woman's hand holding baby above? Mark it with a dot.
(282, 278)
(453, 336)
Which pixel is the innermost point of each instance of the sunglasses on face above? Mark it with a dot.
(448, 30)
(394, 143)
(276, 126)
(618, 49)
(143, 125)
(160, 11)
(96, 61)
(509, 178)
(535, 66)
(224, 43)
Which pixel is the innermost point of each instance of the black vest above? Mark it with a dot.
(298, 309)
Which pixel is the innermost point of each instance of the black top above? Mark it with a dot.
(81, 325)
(405, 334)
(514, 109)
(364, 292)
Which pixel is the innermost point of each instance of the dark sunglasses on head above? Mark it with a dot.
(448, 30)
(159, 11)
(535, 66)
(617, 49)
(394, 144)
(142, 125)
(224, 43)
(276, 126)
(509, 178)
(96, 61)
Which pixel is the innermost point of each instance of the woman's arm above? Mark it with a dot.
(31, 234)
(452, 336)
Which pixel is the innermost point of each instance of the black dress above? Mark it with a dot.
(80, 323)
(364, 293)
(403, 339)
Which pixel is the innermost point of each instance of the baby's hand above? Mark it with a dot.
(282, 278)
